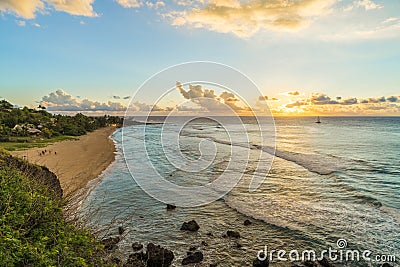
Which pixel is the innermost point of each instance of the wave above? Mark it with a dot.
(320, 164)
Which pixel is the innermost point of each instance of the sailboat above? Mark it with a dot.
(318, 120)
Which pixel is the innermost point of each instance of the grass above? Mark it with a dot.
(33, 231)
(21, 143)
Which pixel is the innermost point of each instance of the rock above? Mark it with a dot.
(204, 243)
(121, 230)
(247, 222)
(158, 256)
(193, 258)
(213, 264)
(224, 236)
(190, 226)
(137, 246)
(210, 234)
(110, 243)
(325, 263)
(233, 234)
(310, 264)
(238, 245)
(136, 260)
(258, 263)
(192, 248)
(171, 207)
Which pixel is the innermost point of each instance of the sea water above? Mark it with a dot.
(336, 180)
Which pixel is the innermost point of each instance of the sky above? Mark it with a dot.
(307, 57)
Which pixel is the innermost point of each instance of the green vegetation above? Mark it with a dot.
(22, 128)
(33, 231)
(27, 143)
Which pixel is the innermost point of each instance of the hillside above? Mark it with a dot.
(33, 231)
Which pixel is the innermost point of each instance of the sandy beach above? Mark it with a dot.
(75, 162)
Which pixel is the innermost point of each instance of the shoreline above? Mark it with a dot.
(75, 162)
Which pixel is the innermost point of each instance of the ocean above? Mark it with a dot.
(336, 180)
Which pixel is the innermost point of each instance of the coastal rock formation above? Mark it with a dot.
(191, 226)
(320, 263)
(233, 234)
(110, 243)
(136, 260)
(171, 207)
(158, 257)
(258, 263)
(137, 246)
(247, 223)
(195, 257)
(121, 230)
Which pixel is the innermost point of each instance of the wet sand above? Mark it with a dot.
(75, 162)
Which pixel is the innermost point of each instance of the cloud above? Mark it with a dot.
(349, 101)
(247, 18)
(296, 104)
(129, 3)
(375, 100)
(21, 23)
(155, 5)
(322, 99)
(74, 7)
(294, 93)
(139, 106)
(393, 99)
(208, 100)
(61, 101)
(367, 4)
(27, 9)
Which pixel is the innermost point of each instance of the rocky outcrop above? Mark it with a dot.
(195, 257)
(191, 226)
(171, 207)
(247, 223)
(110, 243)
(158, 257)
(233, 234)
(259, 263)
(137, 246)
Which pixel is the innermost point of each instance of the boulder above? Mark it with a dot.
(247, 222)
(196, 257)
(259, 263)
(191, 226)
(171, 207)
(233, 234)
(325, 263)
(136, 260)
(110, 243)
(158, 256)
(137, 246)
(121, 230)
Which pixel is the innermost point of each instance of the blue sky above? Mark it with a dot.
(100, 49)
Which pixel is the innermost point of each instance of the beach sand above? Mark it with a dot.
(75, 162)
